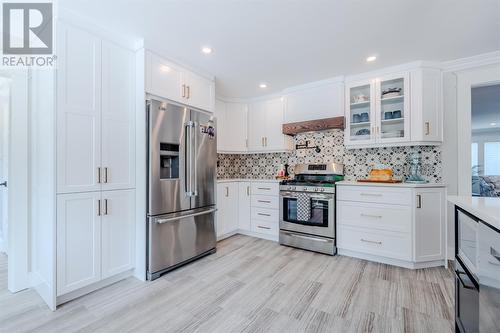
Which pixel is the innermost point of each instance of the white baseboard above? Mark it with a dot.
(93, 287)
(393, 262)
(274, 238)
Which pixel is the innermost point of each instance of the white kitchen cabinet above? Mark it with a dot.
(118, 232)
(95, 114)
(227, 209)
(312, 102)
(95, 237)
(78, 240)
(231, 126)
(78, 110)
(163, 78)
(394, 109)
(429, 224)
(265, 121)
(396, 224)
(118, 117)
(168, 80)
(244, 202)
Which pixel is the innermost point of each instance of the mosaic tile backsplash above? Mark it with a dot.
(357, 162)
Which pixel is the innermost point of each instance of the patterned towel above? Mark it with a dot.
(303, 207)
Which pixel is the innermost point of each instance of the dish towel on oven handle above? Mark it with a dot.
(303, 207)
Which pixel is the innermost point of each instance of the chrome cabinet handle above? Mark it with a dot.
(369, 215)
(98, 175)
(262, 214)
(183, 90)
(227, 191)
(261, 227)
(188, 92)
(105, 206)
(264, 188)
(427, 128)
(248, 190)
(419, 201)
(262, 141)
(265, 141)
(370, 241)
(98, 207)
(105, 175)
(264, 201)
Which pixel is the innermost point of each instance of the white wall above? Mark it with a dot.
(4, 166)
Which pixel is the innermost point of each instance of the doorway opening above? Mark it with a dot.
(485, 140)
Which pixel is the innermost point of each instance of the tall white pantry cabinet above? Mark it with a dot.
(95, 161)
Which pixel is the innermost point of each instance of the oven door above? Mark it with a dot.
(321, 222)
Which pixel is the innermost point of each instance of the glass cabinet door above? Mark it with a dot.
(360, 114)
(393, 109)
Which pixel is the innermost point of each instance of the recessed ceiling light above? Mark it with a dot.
(371, 58)
(493, 124)
(164, 68)
(207, 50)
(263, 85)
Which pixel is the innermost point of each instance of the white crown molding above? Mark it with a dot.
(479, 60)
(314, 84)
(393, 69)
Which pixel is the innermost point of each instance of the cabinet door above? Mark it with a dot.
(221, 129)
(222, 208)
(429, 224)
(227, 204)
(78, 240)
(118, 230)
(118, 118)
(236, 129)
(393, 109)
(163, 78)
(274, 137)
(257, 126)
(244, 201)
(360, 113)
(78, 110)
(200, 92)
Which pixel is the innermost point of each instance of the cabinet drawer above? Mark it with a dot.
(265, 201)
(388, 244)
(264, 227)
(384, 195)
(376, 216)
(265, 189)
(265, 214)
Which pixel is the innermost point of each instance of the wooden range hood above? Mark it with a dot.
(314, 125)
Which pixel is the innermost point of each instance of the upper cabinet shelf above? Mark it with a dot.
(397, 109)
(168, 80)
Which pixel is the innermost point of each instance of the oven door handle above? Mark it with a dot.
(466, 286)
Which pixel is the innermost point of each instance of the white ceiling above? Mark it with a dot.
(486, 107)
(290, 42)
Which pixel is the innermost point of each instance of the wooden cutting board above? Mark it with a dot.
(392, 181)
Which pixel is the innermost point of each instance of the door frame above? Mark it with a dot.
(466, 80)
(18, 175)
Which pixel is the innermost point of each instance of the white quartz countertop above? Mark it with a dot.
(486, 209)
(351, 183)
(247, 180)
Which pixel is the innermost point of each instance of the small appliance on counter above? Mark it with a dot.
(380, 174)
(415, 170)
(307, 207)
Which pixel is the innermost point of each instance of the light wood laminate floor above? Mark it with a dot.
(251, 285)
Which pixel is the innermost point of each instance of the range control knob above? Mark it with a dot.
(322, 190)
(304, 189)
(289, 188)
(316, 189)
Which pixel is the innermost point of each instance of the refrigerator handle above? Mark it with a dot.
(195, 153)
(188, 158)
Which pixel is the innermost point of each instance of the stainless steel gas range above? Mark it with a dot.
(307, 207)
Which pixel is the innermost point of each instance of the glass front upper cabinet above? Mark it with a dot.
(392, 109)
(361, 115)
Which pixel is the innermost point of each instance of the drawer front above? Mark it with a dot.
(265, 189)
(376, 216)
(265, 201)
(375, 242)
(265, 227)
(265, 214)
(383, 195)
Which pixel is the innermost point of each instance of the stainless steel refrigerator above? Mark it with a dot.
(181, 185)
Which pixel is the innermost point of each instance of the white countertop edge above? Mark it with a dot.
(238, 180)
(405, 185)
(486, 209)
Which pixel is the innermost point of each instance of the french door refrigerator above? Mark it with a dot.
(181, 185)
